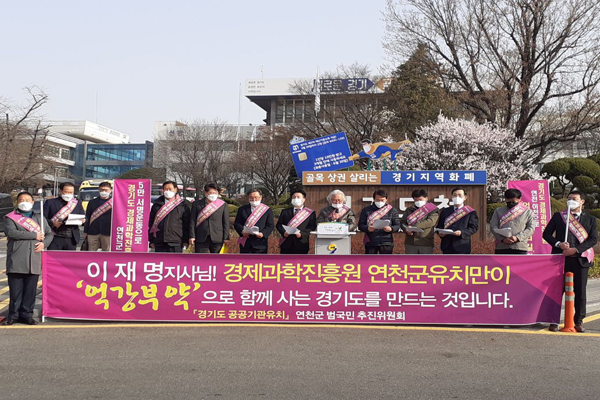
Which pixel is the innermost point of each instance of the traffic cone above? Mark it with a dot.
(569, 304)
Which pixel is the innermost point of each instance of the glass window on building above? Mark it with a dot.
(289, 111)
(279, 112)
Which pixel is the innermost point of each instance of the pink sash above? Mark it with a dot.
(107, 205)
(420, 213)
(333, 216)
(298, 219)
(580, 233)
(209, 210)
(513, 214)
(164, 211)
(457, 215)
(258, 212)
(64, 212)
(375, 216)
(25, 222)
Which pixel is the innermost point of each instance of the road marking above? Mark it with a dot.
(2, 291)
(3, 279)
(4, 303)
(592, 318)
(251, 325)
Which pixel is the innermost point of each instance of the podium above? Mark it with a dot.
(333, 238)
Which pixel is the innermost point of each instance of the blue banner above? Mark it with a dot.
(433, 177)
(327, 153)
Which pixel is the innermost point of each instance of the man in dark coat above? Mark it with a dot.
(379, 240)
(23, 228)
(169, 221)
(209, 222)
(57, 211)
(300, 217)
(98, 219)
(578, 249)
(462, 220)
(255, 214)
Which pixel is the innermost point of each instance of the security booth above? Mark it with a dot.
(358, 186)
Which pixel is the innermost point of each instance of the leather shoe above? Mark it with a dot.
(579, 328)
(28, 321)
(9, 322)
(553, 328)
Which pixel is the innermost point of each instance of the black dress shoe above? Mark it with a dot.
(553, 328)
(579, 328)
(28, 321)
(9, 322)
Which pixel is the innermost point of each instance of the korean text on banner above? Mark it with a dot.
(131, 211)
(536, 194)
(478, 289)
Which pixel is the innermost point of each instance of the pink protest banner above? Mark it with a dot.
(486, 289)
(130, 214)
(536, 194)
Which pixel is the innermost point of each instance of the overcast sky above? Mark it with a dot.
(167, 60)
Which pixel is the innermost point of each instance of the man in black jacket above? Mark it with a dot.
(380, 240)
(300, 217)
(258, 215)
(98, 219)
(169, 221)
(462, 220)
(578, 249)
(57, 211)
(209, 222)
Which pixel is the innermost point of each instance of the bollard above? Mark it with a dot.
(569, 304)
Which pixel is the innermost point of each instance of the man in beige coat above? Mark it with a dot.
(517, 217)
(423, 216)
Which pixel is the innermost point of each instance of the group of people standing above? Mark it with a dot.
(205, 225)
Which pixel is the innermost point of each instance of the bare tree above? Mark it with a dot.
(531, 66)
(23, 157)
(197, 152)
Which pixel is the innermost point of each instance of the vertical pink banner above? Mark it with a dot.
(131, 208)
(537, 195)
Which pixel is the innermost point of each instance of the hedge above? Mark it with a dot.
(491, 207)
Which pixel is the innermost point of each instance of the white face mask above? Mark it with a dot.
(379, 204)
(458, 201)
(67, 197)
(337, 205)
(25, 207)
(420, 203)
(255, 203)
(168, 194)
(573, 204)
(212, 197)
(104, 195)
(296, 202)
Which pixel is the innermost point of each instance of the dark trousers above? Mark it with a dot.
(510, 251)
(580, 278)
(248, 250)
(63, 243)
(208, 246)
(383, 249)
(167, 248)
(22, 289)
(293, 251)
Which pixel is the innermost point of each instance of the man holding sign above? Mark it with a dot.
(295, 224)
(457, 224)
(254, 223)
(418, 222)
(573, 234)
(209, 222)
(169, 221)
(512, 225)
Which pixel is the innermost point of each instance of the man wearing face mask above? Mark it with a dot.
(338, 211)
(422, 215)
(98, 218)
(578, 249)
(254, 222)
(209, 222)
(24, 258)
(462, 220)
(57, 211)
(379, 240)
(169, 221)
(516, 216)
(300, 217)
